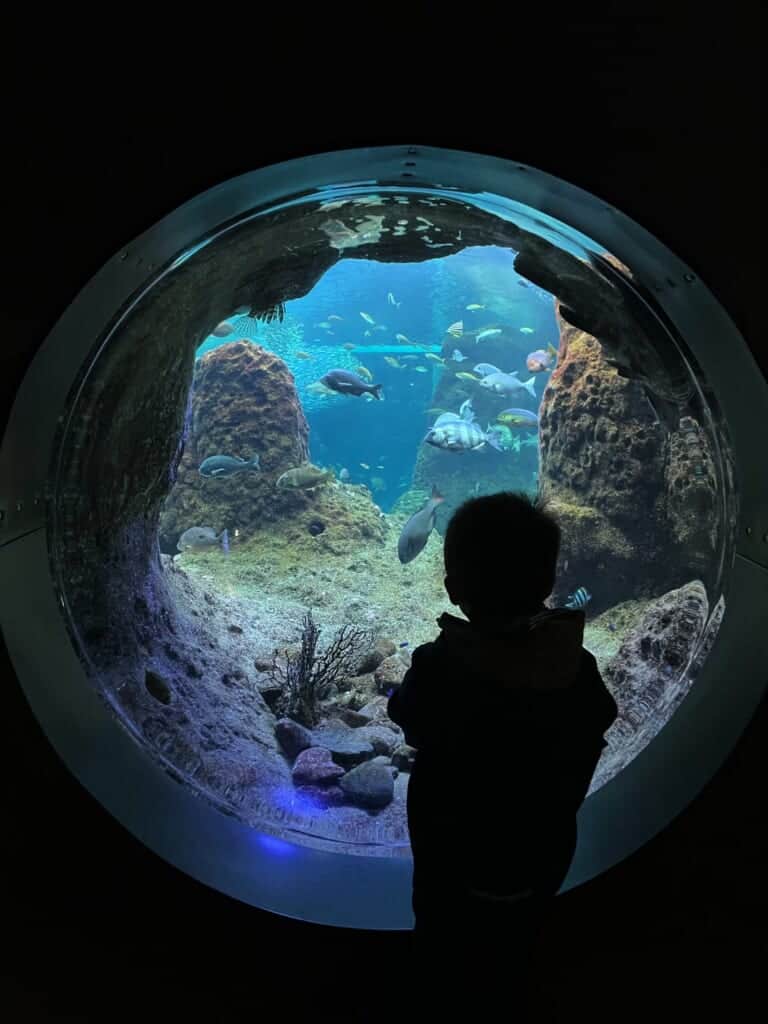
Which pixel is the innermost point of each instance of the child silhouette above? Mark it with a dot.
(507, 711)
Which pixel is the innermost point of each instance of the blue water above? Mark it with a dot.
(354, 433)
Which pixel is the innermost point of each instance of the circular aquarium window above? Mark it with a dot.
(269, 406)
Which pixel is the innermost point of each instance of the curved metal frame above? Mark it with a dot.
(312, 885)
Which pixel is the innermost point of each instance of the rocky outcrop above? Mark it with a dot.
(652, 671)
(623, 487)
(243, 403)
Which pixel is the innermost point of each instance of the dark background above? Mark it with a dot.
(109, 125)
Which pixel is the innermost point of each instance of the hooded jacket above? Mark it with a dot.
(508, 721)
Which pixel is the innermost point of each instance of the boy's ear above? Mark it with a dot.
(452, 590)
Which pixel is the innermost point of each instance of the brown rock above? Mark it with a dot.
(390, 673)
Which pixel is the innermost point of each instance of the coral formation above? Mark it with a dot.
(243, 402)
(306, 675)
(606, 467)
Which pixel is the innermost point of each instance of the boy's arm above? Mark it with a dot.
(405, 704)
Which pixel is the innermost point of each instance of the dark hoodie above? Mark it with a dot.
(508, 722)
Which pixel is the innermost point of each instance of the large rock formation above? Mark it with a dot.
(653, 670)
(622, 485)
(243, 402)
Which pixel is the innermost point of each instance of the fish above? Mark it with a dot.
(415, 534)
(459, 435)
(365, 465)
(349, 346)
(368, 318)
(223, 330)
(435, 412)
(434, 358)
(541, 359)
(523, 284)
(507, 384)
(318, 388)
(466, 411)
(484, 369)
(391, 299)
(409, 359)
(366, 334)
(347, 383)
(380, 466)
(364, 372)
(456, 330)
(303, 477)
(202, 538)
(392, 362)
(579, 598)
(502, 433)
(518, 418)
(474, 306)
(325, 325)
(226, 465)
(526, 330)
(303, 355)
(344, 475)
(334, 317)
(402, 339)
(420, 369)
(466, 376)
(531, 441)
(490, 332)
(380, 327)
(405, 643)
(458, 357)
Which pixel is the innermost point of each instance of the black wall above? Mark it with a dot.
(109, 128)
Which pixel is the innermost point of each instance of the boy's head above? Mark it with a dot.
(500, 555)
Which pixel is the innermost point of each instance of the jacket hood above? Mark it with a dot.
(541, 651)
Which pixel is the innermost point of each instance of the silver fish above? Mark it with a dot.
(507, 384)
(415, 533)
(491, 332)
(202, 538)
(226, 465)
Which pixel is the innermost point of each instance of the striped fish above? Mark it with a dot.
(579, 598)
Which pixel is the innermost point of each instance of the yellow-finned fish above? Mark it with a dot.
(368, 318)
(420, 369)
(434, 358)
(364, 372)
(365, 465)
(402, 339)
(466, 376)
(392, 362)
(474, 306)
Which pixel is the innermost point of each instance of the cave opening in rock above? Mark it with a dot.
(207, 574)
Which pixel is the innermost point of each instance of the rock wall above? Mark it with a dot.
(244, 402)
(632, 507)
(653, 670)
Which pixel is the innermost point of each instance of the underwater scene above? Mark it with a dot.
(287, 472)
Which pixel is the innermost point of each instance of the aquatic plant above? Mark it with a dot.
(307, 676)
